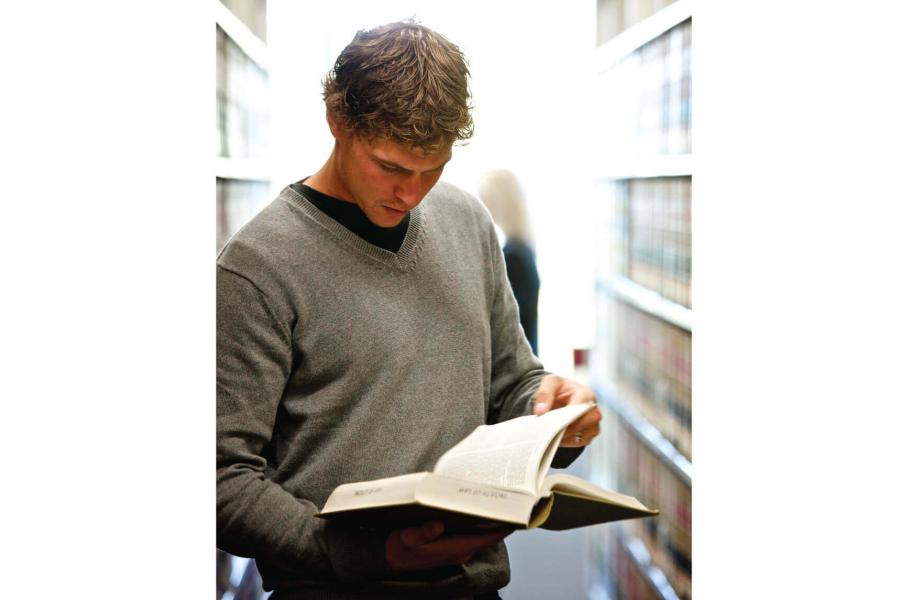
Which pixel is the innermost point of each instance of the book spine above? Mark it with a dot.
(652, 372)
(668, 536)
(656, 241)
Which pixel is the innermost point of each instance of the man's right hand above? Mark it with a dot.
(424, 547)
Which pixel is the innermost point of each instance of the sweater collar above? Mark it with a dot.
(402, 259)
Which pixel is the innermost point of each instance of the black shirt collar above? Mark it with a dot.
(353, 218)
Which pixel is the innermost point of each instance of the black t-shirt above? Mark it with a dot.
(353, 218)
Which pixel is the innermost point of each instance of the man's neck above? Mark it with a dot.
(326, 181)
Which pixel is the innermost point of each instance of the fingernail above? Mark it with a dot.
(539, 406)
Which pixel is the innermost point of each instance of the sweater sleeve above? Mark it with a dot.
(516, 372)
(256, 517)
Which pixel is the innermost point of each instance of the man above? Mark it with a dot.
(364, 326)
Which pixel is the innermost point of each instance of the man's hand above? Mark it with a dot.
(555, 392)
(424, 547)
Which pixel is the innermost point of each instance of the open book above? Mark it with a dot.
(495, 477)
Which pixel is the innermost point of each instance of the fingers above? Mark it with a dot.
(546, 394)
(406, 551)
(467, 545)
(580, 437)
(589, 420)
(417, 536)
(555, 391)
(584, 430)
(579, 394)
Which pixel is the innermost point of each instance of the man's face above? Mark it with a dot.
(385, 179)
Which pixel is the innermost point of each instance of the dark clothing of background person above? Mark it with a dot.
(521, 269)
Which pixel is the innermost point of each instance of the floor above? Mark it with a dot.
(548, 564)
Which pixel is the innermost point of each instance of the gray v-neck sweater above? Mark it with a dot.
(340, 361)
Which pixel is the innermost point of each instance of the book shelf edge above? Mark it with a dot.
(241, 169)
(647, 300)
(241, 35)
(617, 48)
(648, 434)
(665, 165)
(639, 555)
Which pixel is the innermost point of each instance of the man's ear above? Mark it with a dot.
(336, 130)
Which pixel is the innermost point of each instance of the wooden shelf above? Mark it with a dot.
(647, 300)
(246, 40)
(665, 165)
(645, 431)
(640, 557)
(647, 30)
(242, 168)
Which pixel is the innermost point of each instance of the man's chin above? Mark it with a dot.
(388, 218)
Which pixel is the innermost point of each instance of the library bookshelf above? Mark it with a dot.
(641, 360)
(243, 175)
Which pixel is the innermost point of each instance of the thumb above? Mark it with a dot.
(418, 536)
(546, 393)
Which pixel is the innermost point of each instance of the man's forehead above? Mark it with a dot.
(406, 156)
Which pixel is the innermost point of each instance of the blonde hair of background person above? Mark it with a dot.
(502, 194)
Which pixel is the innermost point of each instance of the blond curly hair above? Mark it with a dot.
(404, 82)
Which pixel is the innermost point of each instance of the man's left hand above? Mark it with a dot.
(555, 392)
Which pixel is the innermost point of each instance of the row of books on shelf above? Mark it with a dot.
(242, 99)
(652, 235)
(647, 107)
(615, 571)
(653, 372)
(667, 538)
(664, 111)
(631, 583)
(237, 201)
(615, 16)
(636, 470)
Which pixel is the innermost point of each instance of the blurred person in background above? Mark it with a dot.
(365, 325)
(502, 194)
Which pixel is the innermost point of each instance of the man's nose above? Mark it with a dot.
(410, 190)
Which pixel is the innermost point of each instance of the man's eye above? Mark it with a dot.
(389, 169)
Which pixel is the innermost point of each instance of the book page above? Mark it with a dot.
(511, 454)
